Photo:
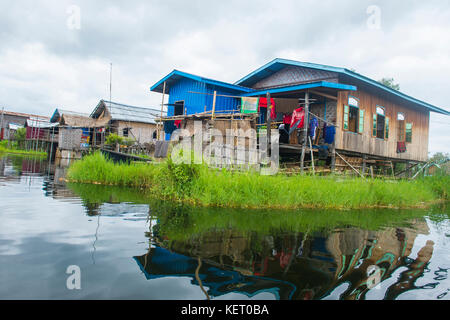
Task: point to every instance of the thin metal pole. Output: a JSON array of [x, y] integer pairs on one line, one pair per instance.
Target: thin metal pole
[[2, 131], [51, 150], [37, 135], [312, 155], [110, 85]]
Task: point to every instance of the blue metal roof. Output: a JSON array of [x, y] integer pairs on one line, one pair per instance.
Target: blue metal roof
[[176, 75], [323, 84], [278, 64]]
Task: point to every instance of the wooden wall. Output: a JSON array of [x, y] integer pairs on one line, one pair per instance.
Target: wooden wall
[[366, 144], [142, 132]]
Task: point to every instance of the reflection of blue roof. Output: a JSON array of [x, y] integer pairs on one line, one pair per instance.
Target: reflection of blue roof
[[162, 263]]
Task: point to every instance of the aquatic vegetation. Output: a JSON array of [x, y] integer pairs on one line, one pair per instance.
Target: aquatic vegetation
[[203, 186], [14, 149]]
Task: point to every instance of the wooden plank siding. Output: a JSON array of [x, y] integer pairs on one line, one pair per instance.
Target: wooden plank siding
[[365, 143]]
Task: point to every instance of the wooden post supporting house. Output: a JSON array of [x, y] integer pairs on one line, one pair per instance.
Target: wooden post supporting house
[[305, 131], [160, 127], [269, 123], [214, 105], [364, 165]]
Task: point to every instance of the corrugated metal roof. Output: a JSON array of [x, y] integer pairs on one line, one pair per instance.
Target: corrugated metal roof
[[278, 64], [24, 115], [40, 123], [177, 75], [125, 112], [319, 84]]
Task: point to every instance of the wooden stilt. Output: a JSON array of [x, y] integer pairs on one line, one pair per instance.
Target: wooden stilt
[[364, 165], [269, 123], [350, 165], [214, 105], [312, 156], [160, 126], [305, 131]]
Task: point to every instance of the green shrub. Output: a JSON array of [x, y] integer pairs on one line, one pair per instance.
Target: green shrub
[[112, 139]]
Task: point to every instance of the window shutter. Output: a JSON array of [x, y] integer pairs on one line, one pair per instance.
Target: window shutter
[[361, 121], [386, 135], [346, 112], [374, 132]]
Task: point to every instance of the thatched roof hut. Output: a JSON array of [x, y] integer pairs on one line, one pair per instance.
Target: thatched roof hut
[[76, 120]]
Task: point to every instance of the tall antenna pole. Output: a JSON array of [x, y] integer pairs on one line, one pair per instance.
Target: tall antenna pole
[[110, 87], [2, 131]]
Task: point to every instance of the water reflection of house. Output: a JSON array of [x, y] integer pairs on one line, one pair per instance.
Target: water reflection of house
[[160, 262], [312, 264], [356, 251]]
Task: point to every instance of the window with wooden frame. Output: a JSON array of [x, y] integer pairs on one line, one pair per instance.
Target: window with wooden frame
[[178, 108], [353, 116], [408, 132], [380, 127], [125, 132]]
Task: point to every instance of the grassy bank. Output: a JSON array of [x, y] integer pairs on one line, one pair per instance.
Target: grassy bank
[[199, 185], [15, 150]]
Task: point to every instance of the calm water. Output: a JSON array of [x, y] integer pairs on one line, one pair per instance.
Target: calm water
[[129, 247]]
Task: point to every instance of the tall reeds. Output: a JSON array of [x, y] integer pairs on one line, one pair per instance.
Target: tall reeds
[[200, 185]]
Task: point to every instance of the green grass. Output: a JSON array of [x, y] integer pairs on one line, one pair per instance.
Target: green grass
[[202, 186], [15, 150]]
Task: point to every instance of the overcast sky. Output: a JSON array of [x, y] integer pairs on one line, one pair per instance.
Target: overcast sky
[[52, 57]]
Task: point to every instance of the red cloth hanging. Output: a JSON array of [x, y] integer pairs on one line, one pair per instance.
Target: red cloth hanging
[[263, 104], [298, 115], [177, 123], [287, 118]]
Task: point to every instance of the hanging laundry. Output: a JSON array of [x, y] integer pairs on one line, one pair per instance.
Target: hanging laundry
[[287, 118], [313, 124], [298, 118], [330, 132], [177, 123], [401, 147], [263, 104]]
